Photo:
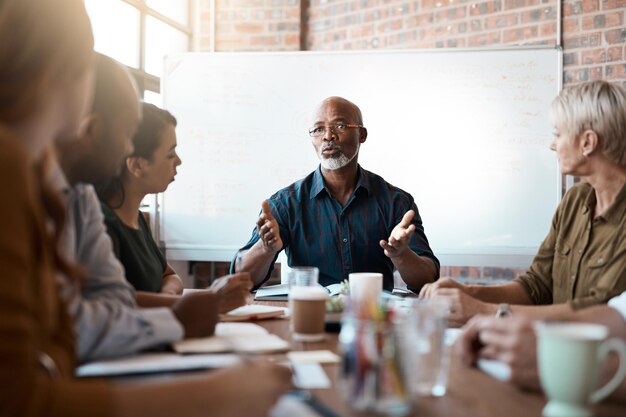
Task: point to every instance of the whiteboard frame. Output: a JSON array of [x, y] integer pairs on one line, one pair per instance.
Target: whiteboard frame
[[513, 257]]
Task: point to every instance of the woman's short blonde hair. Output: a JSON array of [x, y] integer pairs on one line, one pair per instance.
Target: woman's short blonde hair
[[596, 105]]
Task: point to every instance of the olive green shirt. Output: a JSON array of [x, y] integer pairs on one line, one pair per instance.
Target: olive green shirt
[[582, 260]]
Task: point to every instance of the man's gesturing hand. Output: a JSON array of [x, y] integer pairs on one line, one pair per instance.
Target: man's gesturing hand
[[268, 230], [398, 241]]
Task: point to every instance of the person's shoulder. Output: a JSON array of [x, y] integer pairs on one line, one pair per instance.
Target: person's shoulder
[[110, 218], [85, 193], [380, 186]]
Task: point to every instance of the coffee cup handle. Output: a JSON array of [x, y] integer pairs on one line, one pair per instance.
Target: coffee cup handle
[[619, 347]]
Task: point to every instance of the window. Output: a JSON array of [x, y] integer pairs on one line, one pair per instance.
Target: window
[[139, 34]]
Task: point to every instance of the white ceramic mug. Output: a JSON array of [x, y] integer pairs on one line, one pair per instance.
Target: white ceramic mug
[[570, 358]]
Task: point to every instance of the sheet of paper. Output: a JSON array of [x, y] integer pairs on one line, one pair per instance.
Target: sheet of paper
[[313, 356], [154, 362], [496, 369], [290, 406], [238, 337], [239, 329], [254, 312], [273, 290], [309, 376]]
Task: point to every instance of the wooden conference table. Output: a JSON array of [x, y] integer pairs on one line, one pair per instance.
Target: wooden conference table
[[471, 392]]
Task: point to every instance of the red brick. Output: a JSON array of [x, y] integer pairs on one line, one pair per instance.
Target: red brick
[[249, 27], [615, 71], [578, 75], [520, 35], [292, 40], [422, 19], [601, 55], [485, 8], [484, 39], [517, 4], [538, 14], [615, 36], [591, 5], [431, 4], [264, 40], [230, 43], [605, 20], [547, 29], [613, 4], [451, 13], [571, 25], [570, 59], [571, 41], [501, 21], [293, 13], [579, 7]]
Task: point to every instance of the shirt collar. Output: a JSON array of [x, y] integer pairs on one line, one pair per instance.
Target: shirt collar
[[363, 181], [615, 213]]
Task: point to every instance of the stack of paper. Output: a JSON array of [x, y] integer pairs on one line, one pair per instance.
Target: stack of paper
[[234, 337], [253, 312], [280, 292], [155, 362]]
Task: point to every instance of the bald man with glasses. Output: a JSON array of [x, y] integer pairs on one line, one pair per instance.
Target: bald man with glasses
[[341, 218]]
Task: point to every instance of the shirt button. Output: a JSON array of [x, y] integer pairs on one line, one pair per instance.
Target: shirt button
[[573, 276], [580, 251], [600, 260], [344, 240]]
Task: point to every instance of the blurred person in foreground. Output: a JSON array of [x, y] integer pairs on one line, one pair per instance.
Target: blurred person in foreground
[[46, 50]]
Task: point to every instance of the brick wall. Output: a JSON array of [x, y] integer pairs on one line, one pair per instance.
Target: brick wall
[[594, 40], [364, 24], [251, 25], [594, 31]]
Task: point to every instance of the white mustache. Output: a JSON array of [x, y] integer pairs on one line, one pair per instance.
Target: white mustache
[[331, 147]]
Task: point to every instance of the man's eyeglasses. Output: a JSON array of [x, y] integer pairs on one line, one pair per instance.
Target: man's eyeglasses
[[337, 129]]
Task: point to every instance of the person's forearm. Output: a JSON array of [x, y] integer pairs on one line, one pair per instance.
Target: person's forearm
[[152, 299], [189, 396], [172, 284], [257, 262], [602, 314], [544, 312], [415, 270], [511, 293]]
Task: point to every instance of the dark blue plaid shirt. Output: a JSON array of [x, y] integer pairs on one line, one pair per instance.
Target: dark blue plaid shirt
[[317, 231]]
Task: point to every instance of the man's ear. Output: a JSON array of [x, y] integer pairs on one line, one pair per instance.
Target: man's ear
[[135, 165], [589, 142], [363, 137]]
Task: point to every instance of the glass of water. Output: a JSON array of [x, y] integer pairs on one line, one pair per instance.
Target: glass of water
[[430, 356]]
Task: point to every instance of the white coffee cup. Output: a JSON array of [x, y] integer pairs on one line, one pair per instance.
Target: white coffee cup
[[570, 359], [365, 286]]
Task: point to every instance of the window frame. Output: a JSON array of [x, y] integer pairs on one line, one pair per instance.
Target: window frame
[[146, 81]]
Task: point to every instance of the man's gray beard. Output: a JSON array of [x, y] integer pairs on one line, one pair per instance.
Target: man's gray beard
[[336, 163]]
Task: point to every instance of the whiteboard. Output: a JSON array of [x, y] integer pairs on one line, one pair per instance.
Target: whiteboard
[[466, 132]]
